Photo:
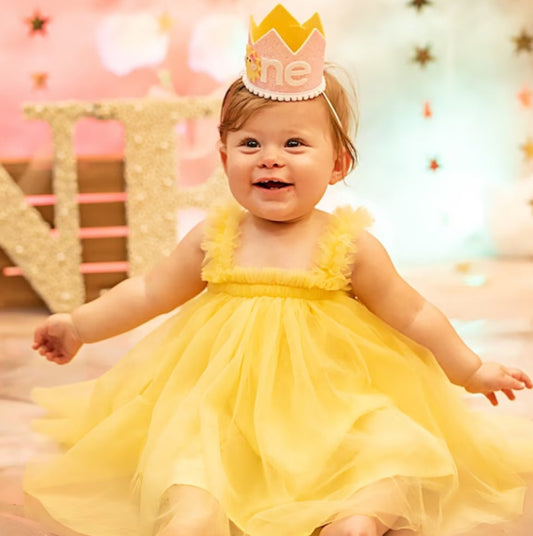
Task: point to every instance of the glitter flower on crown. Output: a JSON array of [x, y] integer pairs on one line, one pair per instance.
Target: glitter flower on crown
[[285, 59]]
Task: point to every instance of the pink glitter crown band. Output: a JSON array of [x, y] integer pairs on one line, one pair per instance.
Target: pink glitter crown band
[[285, 59]]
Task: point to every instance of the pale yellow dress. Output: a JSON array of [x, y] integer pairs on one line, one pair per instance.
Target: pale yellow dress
[[289, 402]]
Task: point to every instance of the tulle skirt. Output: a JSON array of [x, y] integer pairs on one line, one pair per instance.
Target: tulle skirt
[[287, 408]]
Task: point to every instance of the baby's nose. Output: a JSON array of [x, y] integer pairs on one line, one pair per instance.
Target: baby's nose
[[270, 158], [269, 163]]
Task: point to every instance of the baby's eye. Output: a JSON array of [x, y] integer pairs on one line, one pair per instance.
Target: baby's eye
[[293, 142], [250, 143]]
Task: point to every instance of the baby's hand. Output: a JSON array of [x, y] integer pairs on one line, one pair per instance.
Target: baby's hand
[[57, 339], [492, 377]]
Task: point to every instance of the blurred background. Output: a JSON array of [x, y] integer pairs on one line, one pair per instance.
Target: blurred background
[[445, 92]]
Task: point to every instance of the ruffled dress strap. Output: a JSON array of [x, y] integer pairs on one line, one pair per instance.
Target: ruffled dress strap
[[221, 233], [337, 247]]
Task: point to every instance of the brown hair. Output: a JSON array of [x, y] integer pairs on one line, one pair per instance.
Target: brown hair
[[239, 105]]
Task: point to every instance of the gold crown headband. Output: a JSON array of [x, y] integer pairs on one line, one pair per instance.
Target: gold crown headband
[[285, 59]]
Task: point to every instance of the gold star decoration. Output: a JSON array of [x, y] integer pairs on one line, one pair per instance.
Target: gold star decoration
[[419, 4], [434, 164], [37, 23], [423, 55], [39, 80], [527, 149], [523, 42], [525, 96], [165, 22]]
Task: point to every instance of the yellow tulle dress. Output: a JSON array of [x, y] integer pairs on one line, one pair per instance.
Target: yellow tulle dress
[[287, 401]]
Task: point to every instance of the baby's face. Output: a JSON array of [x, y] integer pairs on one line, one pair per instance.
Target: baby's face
[[281, 161]]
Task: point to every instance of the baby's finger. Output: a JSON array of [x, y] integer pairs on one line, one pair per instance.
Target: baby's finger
[[46, 349], [39, 336], [492, 398], [61, 360], [521, 376], [509, 394], [509, 381]]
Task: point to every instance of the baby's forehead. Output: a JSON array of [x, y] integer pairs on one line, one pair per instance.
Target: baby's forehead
[[304, 111], [282, 120]]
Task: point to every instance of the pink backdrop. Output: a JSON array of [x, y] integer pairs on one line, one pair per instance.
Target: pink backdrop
[[70, 54]]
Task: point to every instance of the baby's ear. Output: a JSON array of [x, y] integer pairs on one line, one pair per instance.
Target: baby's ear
[[223, 152], [340, 167]]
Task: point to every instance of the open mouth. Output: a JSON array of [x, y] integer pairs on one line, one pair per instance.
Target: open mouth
[[272, 185]]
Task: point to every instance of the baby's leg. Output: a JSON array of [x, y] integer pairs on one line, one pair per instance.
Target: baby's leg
[[191, 511], [355, 526]]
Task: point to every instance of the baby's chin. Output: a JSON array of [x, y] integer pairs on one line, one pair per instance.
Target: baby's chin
[[283, 217]]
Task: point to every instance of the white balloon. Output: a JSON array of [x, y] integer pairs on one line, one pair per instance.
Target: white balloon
[[127, 42], [217, 47]]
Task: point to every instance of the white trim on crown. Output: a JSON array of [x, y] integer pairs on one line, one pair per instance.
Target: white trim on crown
[[274, 95]]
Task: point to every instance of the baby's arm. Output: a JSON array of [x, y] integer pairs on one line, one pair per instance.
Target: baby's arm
[[172, 282], [380, 288]]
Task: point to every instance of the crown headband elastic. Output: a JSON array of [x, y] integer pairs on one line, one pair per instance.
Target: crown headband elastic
[[285, 59]]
